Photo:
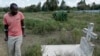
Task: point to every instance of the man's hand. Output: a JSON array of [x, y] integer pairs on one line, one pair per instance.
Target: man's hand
[[5, 39], [24, 35], [6, 32], [23, 27]]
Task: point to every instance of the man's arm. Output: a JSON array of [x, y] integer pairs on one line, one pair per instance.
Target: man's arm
[[6, 32], [23, 27]]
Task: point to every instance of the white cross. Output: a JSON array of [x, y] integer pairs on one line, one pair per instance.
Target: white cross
[[89, 32]]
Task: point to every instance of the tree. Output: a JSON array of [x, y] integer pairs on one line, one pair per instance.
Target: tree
[[95, 6], [46, 6], [39, 6], [81, 5], [50, 5], [31, 8], [63, 5], [6, 9], [54, 5], [1, 9]]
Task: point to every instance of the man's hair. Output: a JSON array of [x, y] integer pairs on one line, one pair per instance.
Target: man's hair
[[13, 5]]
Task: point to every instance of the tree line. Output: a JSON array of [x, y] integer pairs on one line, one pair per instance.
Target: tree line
[[52, 5]]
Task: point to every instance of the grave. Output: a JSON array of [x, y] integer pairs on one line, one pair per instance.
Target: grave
[[85, 48]]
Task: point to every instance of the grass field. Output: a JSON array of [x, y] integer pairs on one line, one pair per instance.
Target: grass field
[[41, 28]]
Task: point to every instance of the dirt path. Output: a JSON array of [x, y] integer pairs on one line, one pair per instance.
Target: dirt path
[[3, 48]]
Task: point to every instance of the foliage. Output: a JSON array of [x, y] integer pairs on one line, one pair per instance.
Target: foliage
[[46, 6], [95, 6], [31, 8], [41, 27], [63, 5], [82, 5], [50, 5], [6, 9], [54, 5], [1, 9], [60, 15], [39, 6]]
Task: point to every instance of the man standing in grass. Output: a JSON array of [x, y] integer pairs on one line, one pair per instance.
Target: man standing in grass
[[14, 30]]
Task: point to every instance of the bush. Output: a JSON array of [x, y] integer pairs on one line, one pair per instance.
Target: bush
[[60, 15], [34, 50]]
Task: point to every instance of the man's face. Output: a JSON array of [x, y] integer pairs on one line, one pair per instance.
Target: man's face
[[14, 10]]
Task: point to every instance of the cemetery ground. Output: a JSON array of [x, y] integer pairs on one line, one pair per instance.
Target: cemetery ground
[[42, 29]]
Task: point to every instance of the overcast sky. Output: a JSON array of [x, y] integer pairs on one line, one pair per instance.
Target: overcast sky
[[23, 3]]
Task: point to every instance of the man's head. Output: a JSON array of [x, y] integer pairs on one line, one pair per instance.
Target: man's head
[[13, 9]]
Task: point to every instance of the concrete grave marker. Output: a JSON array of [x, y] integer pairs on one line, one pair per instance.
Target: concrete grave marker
[[89, 32], [86, 46]]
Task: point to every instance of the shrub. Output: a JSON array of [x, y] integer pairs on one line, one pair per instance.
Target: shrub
[[60, 15]]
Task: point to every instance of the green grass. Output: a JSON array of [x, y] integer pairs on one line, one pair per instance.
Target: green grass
[[41, 26]]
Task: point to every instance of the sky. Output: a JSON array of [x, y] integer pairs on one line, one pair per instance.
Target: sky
[[23, 3]]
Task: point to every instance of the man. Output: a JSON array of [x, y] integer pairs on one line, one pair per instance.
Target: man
[[14, 30]]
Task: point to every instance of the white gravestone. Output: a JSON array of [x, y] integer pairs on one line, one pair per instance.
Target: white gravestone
[[85, 48]]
